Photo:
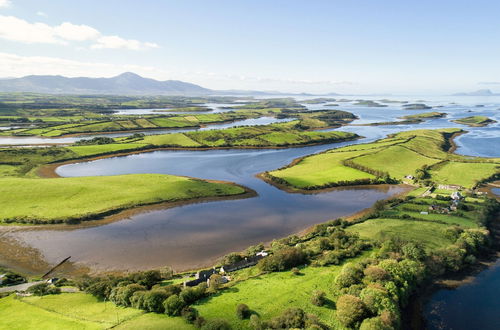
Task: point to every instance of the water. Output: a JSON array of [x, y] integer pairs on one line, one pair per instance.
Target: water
[[471, 306], [194, 235]]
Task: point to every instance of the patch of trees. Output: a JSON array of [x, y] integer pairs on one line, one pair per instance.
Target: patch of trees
[[97, 140], [43, 289], [10, 278]]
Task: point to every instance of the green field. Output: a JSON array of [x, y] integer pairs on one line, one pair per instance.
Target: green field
[[78, 311], [64, 199], [464, 174], [270, 294], [428, 233], [398, 156], [474, 121]]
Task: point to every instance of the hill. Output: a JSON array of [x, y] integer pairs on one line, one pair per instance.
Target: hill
[[127, 83]]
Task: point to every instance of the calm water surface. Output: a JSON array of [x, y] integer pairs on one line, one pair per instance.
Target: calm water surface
[[474, 305]]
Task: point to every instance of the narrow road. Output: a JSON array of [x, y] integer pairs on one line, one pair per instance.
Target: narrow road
[[19, 287]]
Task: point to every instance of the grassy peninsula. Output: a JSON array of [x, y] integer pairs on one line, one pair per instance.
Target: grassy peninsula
[[38, 201], [421, 154]]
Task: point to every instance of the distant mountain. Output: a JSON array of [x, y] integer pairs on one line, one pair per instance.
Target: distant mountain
[[127, 83], [480, 92]]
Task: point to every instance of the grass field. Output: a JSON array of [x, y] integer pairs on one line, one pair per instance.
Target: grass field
[[328, 167], [74, 198], [474, 121], [398, 156], [270, 294], [464, 174], [428, 233], [78, 311]]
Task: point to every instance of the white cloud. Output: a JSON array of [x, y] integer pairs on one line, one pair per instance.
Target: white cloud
[[74, 32], [5, 3], [41, 13], [16, 29], [115, 42]]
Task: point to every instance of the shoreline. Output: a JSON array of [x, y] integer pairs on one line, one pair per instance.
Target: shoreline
[[49, 170]]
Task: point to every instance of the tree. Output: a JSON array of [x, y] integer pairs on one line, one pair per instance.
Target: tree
[[153, 301], [374, 323], [413, 251], [350, 310], [173, 305], [243, 311], [43, 289], [189, 314], [318, 298], [166, 272], [291, 318], [216, 324], [283, 259], [351, 274]]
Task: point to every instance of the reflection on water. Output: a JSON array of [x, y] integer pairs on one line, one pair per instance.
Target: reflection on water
[[470, 306]]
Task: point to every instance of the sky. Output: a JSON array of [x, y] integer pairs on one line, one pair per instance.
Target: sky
[[316, 46]]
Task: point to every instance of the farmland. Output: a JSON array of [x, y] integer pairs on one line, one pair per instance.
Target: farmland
[[29, 200], [385, 160]]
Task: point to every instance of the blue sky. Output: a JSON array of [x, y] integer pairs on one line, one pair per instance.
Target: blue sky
[[311, 45]]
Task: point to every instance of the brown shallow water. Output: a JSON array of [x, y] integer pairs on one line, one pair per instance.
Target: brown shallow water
[[185, 237]]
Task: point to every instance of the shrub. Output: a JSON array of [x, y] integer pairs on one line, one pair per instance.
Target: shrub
[[291, 318], [137, 299], [43, 289], [374, 323], [350, 274], [173, 305], [153, 301], [192, 294], [189, 314], [350, 310], [121, 295], [283, 259], [216, 324], [318, 298], [231, 258], [242, 311], [376, 274]]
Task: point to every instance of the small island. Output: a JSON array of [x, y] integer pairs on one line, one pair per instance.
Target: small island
[[369, 103], [475, 121], [416, 106]]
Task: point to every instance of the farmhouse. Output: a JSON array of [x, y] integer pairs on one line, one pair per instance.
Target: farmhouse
[[456, 196], [201, 277]]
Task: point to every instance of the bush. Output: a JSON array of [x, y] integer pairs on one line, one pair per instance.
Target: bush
[[283, 259], [374, 323], [121, 295], [231, 258], [376, 274], [153, 301], [350, 274], [173, 305], [350, 310], [291, 318], [242, 311], [192, 294], [189, 314], [318, 298], [216, 324], [43, 289]]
